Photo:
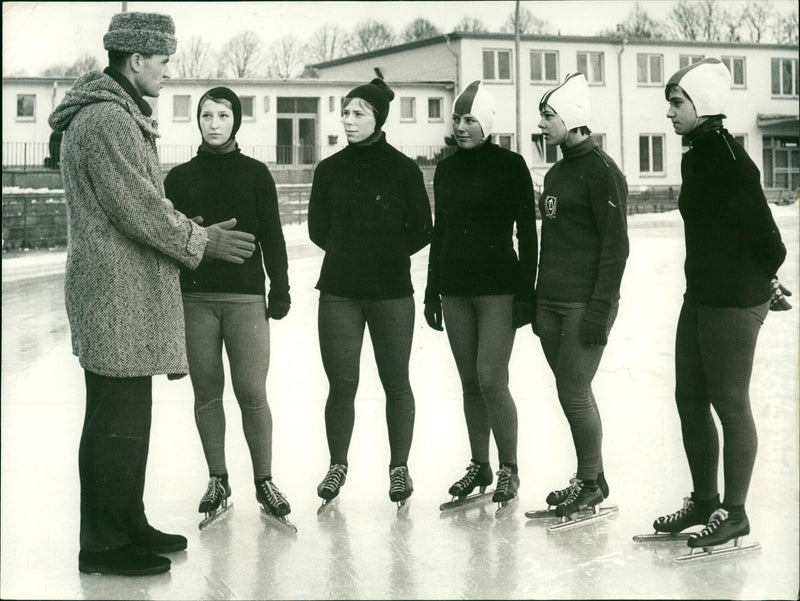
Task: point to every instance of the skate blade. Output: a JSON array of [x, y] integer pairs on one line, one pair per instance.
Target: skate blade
[[215, 516], [661, 537], [579, 519], [403, 507], [325, 504], [282, 522], [506, 508], [466, 502], [535, 514], [701, 553]]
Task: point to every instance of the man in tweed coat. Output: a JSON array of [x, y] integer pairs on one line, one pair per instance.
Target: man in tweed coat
[[121, 286]]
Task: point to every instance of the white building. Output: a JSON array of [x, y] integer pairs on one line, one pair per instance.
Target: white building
[[293, 124]]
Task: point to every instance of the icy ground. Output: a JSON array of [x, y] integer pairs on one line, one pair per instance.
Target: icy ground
[[360, 550]]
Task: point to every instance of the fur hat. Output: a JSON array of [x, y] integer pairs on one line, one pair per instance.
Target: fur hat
[[378, 94], [223, 93], [475, 100], [706, 83], [147, 33], [570, 100]]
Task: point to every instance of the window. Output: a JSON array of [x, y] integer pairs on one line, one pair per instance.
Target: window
[[784, 77], [741, 138], [689, 59], [26, 107], [504, 140], [544, 66], [407, 109], [248, 108], [591, 65], [434, 109], [781, 166], [180, 107], [497, 65], [600, 139], [649, 69], [651, 154], [543, 153], [735, 65]]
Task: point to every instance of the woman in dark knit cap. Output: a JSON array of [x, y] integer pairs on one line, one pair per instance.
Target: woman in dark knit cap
[[479, 285], [733, 251], [225, 303], [369, 211], [583, 254]]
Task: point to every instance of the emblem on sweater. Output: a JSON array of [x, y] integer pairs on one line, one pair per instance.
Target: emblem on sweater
[[550, 205]]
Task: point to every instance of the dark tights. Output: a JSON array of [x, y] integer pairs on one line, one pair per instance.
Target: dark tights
[[341, 334]]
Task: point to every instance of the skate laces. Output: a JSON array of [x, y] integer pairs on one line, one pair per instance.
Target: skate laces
[[574, 491], [688, 505], [335, 476], [719, 516], [472, 473], [274, 496], [215, 489], [503, 480], [397, 479]]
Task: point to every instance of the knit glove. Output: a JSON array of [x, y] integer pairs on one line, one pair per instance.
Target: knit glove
[[523, 312], [433, 314], [594, 326], [777, 300], [278, 309]]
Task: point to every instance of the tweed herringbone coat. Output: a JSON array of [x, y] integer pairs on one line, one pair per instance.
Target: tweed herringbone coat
[[125, 240]]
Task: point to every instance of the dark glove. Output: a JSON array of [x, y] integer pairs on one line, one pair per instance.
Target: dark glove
[[593, 334], [777, 302], [278, 309], [523, 312], [433, 314], [175, 376]]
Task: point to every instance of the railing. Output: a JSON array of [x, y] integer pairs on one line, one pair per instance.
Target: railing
[[34, 220]]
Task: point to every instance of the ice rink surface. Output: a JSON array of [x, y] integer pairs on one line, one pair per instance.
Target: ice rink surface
[[359, 549]]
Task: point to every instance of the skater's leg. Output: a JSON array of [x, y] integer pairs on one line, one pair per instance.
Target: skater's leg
[[461, 324], [495, 342], [728, 340], [204, 352], [391, 328], [245, 330], [112, 460], [341, 323], [700, 439]]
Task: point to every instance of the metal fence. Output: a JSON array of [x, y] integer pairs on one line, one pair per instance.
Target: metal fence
[[34, 220]]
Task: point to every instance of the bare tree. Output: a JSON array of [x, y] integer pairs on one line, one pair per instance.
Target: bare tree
[[84, 64], [527, 23], [471, 25], [194, 58], [326, 43], [56, 70], [371, 35], [685, 20], [637, 25], [240, 55], [785, 28], [285, 57], [419, 29]]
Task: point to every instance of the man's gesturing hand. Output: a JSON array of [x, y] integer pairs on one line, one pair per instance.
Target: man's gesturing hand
[[227, 244]]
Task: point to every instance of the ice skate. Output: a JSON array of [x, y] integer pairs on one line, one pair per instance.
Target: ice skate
[[581, 506], [722, 527], [505, 495], [478, 476], [274, 505], [331, 484], [400, 488], [670, 527], [214, 503], [556, 497]]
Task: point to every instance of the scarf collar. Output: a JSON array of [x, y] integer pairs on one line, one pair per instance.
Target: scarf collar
[[227, 148], [710, 125], [126, 85], [584, 147]]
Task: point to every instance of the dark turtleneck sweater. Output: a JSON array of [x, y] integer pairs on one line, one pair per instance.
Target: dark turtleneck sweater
[[126, 85], [733, 247], [219, 187], [584, 230], [480, 194], [369, 211]]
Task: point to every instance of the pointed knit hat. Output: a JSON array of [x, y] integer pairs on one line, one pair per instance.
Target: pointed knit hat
[[570, 100], [707, 84], [475, 100], [147, 33]]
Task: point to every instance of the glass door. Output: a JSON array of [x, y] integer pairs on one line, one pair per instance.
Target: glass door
[[296, 135]]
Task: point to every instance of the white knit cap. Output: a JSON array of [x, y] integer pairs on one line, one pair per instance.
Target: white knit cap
[[570, 100], [707, 83], [475, 100]]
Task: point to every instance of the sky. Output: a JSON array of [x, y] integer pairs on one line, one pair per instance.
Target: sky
[[37, 35]]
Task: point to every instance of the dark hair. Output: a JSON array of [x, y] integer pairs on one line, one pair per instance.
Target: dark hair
[[582, 129], [673, 86], [117, 58]]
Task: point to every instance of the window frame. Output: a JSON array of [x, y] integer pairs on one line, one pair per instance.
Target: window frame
[[26, 118], [496, 140], [181, 118], [731, 60], [541, 156], [413, 101], [440, 118], [542, 60], [650, 83], [252, 115], [588, 54], [496, 65], [651, 172], [794, 77], [684, 60]]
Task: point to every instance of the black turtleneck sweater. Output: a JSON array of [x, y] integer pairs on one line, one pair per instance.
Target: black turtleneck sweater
[[480, 194], [584, 230], [733, 247], [369, 212], [219, 187]]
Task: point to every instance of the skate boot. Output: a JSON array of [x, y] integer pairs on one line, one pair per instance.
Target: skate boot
[[331, 484], [479, 475], [693, 513], [724, 525], [215, 500], [274, 505], [400, 486], [557, 497], [580, 498]]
